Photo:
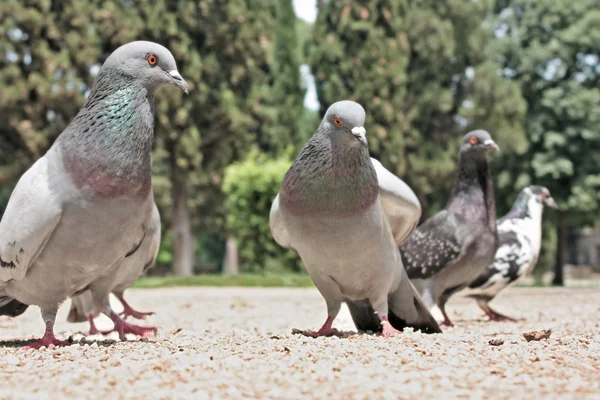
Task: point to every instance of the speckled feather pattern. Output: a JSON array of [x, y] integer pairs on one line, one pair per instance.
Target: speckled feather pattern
[[520, 233]]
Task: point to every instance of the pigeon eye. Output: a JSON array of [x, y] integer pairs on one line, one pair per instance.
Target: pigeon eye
[[152, 59], [473, 140], [338, 122], [543, 195]]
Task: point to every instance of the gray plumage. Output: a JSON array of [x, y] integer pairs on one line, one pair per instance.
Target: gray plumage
[[87, 203], [345, 215], [520, 240], [451, 248], [132, 267]]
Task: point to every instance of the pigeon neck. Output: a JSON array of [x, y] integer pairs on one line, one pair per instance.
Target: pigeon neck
[[107, 147], [526, 206], [332, 176], [473, 192]]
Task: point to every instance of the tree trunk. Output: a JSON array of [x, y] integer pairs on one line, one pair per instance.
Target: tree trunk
[[183, 240], [231, 265], [561, 234]]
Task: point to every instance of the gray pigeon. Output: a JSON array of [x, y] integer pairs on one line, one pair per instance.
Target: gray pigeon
[[132, 267], [345, 214], [520, 240], [87, 203], [449, 250]]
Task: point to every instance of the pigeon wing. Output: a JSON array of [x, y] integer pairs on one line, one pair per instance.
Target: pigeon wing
[[399, 203], [433, 247], [278, 227], [30, 218]]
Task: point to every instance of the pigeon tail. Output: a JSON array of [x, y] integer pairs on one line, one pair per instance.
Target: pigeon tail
[[418, 318], [11, 307], [81, 308]]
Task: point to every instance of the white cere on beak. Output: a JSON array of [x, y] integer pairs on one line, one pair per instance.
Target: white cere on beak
[[360, 133], [491, 144]]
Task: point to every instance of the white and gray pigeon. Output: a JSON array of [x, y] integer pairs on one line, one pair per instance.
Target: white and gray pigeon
[[449, 250], [344, 214], [87, 203], [520, 240], [132, 267]]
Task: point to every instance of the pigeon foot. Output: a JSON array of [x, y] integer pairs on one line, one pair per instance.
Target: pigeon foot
[[326, 330], [123, 328], [129, 311], [48, 341], [387, 328], [497, 317]]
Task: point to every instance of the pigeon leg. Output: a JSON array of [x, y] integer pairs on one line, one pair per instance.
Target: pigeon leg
[[102, 302], [48, 340], [333, 308], [493, 315], [446, 321], [129, 311], [381, 309], [93, 329]]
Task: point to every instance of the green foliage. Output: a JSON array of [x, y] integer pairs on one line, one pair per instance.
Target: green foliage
[[547, 48], [250, 187], [421, 72], [244, 280], [46, 51], [284, 117]]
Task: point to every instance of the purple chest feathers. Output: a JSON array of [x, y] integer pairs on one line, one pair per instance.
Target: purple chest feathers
[[106, 182]]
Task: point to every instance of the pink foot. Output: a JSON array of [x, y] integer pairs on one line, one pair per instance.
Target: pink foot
[[497, 317], [326, 330], [129, 311], [123, 328], [388, 329], [446, 322], [48, 341]]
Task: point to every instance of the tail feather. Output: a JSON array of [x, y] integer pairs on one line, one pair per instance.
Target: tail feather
[[403, 312], [12, 307], [81, 307]]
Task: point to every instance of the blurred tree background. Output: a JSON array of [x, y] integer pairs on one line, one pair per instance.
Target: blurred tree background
[[425, 71]]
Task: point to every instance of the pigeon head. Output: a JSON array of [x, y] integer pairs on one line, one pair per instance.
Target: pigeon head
[[541, 195], [478, 142], [346, 119], [150, 63]]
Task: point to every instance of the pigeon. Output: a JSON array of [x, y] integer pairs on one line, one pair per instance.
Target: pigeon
[[450, 249], [520, 240], [86, 205], [132, 267], [344, 214]]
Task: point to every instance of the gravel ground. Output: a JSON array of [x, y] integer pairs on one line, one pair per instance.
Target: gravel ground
[[237, 343]]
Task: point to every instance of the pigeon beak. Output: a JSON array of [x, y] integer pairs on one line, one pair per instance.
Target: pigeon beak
[[549, 201], [360, 133], [491, 145], [179, 81]]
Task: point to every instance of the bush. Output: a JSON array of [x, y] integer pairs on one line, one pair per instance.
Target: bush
[[250, 188]]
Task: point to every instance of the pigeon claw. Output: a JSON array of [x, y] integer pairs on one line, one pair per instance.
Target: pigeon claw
[[497, 317], [48, 341], [387, 328], [130, 312], [325, 332]]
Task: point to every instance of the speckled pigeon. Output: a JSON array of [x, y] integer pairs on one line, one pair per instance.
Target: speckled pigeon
[[345, 214], [520, 240], [132, 267], [87, 203], [454, 246]]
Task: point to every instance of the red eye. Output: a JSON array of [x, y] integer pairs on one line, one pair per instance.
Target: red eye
[[473, 140], [338, 122], [543, 195], [152, 59]]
